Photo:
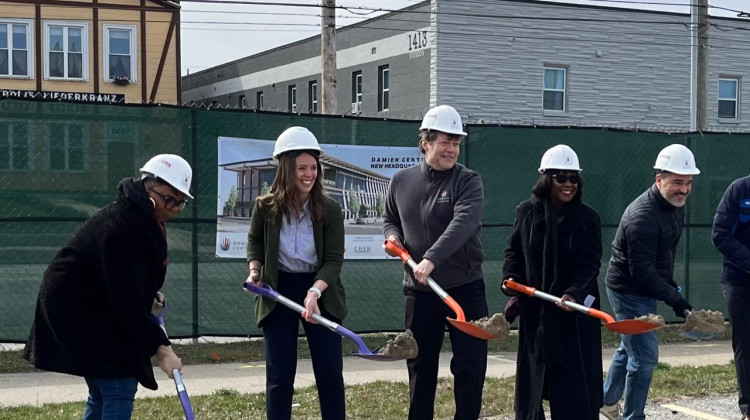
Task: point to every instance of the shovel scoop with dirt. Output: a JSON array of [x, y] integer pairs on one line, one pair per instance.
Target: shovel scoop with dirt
[[702, 324]]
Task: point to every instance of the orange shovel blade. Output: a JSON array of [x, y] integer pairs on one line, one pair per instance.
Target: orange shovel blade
[[471, 329], [631, 326]]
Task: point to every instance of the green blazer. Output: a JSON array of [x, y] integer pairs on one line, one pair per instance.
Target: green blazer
[[263, 245]]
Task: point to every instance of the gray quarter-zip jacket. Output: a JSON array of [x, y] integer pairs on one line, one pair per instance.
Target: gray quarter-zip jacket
[[438, 216]]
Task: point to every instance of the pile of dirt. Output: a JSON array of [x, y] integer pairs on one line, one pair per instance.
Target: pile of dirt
[[652, 318], [704, 321], [404, 346], [497, 326]]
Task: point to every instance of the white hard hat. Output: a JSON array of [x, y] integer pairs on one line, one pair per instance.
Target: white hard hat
[[443, 118], [295, 138], [171, 169], [677, 159], [560, 157]]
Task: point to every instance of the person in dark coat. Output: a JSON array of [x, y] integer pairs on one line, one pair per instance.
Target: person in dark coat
[[641, 273], [556, 248], [731, 236], [94, 310]]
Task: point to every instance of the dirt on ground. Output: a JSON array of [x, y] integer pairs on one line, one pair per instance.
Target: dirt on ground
[[704, 321], [652, 318], [496, 325], [404, 346]]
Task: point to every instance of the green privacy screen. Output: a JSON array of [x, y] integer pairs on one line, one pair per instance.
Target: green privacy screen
[[60, 162]]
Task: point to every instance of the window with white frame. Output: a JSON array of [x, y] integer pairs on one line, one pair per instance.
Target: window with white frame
[[67, 147], [119, 53], [357, 88], [15, 146], [729, 98], [554, 89], [66, 49], [292, 102], [384, 84], [16, 53], [259, 100], [313, 97], [243, 102]]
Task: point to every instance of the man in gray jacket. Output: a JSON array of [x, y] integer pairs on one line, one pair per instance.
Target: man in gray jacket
[[434, 210], [641, 272]]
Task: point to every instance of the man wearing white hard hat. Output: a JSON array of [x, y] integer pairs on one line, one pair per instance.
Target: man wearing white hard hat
[[94, 310], [434, 210], [641, 273]]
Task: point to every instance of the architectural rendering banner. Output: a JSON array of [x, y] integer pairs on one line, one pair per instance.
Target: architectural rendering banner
[[357, 177]]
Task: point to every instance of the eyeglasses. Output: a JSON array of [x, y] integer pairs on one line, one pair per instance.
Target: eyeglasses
[[169, 201], [563, 178]]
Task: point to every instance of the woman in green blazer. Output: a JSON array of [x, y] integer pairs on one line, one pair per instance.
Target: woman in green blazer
[[296, 245]]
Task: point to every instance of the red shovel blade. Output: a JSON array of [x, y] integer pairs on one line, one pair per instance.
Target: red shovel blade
[[471, 329], [631, 326]]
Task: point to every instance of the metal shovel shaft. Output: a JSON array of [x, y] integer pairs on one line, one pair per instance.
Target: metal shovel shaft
[[628, 326], [362, 349], [531, 291], [460, 316]]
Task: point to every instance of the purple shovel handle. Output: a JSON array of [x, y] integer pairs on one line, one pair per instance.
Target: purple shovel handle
[[182, 393], [268, 292]]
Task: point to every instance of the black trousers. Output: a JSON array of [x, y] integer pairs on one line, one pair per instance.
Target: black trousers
[[280, 331], [425, 316], [738, 302]]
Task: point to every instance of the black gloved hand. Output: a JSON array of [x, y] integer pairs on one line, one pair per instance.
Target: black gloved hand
[[680, 306]]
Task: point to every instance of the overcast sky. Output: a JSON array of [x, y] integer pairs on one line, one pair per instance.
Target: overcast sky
[[214, 33]]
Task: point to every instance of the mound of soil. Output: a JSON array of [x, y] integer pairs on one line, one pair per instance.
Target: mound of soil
[[704, 321], [497, 326], [404, 346], [652, 318]]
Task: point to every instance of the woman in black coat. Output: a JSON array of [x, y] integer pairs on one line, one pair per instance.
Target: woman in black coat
[[556, 247], [93, 315]]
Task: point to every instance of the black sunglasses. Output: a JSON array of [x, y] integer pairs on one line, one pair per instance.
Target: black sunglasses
[[563, 178], [169, 201]]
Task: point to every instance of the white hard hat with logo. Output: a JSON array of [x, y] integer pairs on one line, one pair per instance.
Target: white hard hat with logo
[[677, 159], [295, 138], [171, 169], [560, 157], [443, 118]]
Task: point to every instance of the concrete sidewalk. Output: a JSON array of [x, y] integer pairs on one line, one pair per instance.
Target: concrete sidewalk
[[45, 387]]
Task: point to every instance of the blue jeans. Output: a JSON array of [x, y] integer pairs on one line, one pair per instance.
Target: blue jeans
[[634, 361], [110, 399]]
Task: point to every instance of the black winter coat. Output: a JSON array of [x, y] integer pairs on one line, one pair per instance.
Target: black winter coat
[[559, 352], [643, 251], [93, 315]]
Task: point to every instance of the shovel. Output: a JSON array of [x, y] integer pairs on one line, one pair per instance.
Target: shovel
[[628, 326], [362, 350], [187, 408], [460, 321], [697, 335]]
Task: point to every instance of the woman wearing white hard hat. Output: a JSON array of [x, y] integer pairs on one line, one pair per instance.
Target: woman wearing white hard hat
[[93, 315], [556, 247], [296, 245]]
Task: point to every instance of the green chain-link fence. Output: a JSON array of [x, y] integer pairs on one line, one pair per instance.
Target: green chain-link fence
[[60, 162]]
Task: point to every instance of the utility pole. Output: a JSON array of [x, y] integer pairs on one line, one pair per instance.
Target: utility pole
[[328, 56], [702, 83]]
